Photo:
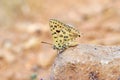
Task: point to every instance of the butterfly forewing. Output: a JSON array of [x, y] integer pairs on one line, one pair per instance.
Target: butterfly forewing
[[62, 34]]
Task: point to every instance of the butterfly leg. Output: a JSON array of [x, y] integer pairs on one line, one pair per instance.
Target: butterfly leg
[[60, 51], [64, 47]]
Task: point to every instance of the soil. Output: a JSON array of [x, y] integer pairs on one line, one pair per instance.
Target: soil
[[25, 24]]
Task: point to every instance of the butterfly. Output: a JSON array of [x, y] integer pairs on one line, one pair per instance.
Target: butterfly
[[63, 35]]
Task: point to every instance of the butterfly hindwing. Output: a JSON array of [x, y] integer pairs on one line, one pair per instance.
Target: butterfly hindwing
[[63, 35]]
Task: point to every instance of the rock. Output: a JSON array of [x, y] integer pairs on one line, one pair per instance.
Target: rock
[[87, 62]]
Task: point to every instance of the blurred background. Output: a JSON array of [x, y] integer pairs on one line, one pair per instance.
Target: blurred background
[[25, 23]]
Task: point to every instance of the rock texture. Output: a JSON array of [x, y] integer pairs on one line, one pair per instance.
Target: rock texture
[[87, 62]]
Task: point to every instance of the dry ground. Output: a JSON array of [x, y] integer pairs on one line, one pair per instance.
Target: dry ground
[[24, 24]]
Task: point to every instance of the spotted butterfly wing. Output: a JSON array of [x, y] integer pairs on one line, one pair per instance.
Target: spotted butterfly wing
[[63, 35]]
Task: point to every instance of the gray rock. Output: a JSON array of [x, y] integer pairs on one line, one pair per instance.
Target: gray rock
[[87, 62]]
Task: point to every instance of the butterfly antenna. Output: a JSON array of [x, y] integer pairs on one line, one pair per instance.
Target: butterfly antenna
[[46, 43]]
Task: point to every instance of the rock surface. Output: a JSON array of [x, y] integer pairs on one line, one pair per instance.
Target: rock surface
[[87, 62]]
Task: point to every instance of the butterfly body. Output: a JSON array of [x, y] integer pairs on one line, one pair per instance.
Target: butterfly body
[[63, 35]]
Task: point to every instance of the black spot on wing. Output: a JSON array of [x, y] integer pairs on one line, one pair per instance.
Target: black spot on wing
[[51, 25], [65, 36], [60, 40], [55, 36], [69, 30], [63, 32], [61, 35], [60, 46], [53, 33], [65, 39], [58, 31], [55, 26]]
